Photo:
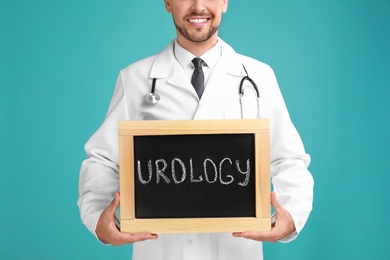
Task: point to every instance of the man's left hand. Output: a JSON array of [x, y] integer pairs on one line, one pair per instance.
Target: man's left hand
[[281, 228]]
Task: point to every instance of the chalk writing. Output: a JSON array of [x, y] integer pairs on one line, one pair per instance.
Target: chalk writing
[[225, 172]]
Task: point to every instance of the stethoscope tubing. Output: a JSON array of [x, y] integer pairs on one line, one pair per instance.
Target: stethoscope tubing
[[242, 90]]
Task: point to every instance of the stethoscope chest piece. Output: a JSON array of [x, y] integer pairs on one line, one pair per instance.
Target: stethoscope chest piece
[[152, 98]]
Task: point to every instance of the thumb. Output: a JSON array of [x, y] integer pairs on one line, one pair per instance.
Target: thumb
[[275, 203], [114, 204]]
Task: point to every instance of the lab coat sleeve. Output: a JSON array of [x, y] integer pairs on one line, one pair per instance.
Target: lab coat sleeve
[[291, 180], [99, 178]]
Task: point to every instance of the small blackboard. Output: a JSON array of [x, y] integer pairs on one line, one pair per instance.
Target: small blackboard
[[194, 176]]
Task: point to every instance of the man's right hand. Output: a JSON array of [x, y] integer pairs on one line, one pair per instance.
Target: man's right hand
[[108, 232]]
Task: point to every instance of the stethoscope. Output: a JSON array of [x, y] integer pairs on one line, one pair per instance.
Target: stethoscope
[[242, 90], [154, 98]]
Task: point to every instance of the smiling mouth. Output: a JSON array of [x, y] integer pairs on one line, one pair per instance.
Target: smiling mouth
[[198, 20]]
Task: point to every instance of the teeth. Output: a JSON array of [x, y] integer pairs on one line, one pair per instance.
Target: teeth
[[198, 20]]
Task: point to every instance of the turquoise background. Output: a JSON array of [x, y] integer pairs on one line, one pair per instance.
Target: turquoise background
[[59, 62]]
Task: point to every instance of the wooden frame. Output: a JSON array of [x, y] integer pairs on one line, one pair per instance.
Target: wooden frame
[[129, 129]]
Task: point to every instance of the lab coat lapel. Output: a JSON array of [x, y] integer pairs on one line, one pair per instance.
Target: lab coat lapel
[[228, 68], [166, 66]]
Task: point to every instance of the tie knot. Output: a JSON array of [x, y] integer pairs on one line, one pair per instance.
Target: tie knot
[[197, 62]]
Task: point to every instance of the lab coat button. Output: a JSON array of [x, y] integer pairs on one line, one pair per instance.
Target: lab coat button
[[189, 241]]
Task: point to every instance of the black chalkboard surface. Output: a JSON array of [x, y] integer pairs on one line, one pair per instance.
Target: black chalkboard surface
[[194, 176], [183, 176]]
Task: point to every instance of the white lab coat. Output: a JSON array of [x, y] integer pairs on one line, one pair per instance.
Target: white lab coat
[[291, 180]]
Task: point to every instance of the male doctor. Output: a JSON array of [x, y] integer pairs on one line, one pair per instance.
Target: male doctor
[[222, 69]]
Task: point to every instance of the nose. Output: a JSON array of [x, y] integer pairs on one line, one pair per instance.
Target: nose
[[198, 6]]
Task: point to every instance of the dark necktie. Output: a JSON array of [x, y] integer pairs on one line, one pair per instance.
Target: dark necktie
[[197, 79]]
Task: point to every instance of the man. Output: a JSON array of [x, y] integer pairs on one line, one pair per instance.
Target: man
[[197, 23]]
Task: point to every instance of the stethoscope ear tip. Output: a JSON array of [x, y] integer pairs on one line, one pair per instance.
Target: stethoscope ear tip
[[152, 98]]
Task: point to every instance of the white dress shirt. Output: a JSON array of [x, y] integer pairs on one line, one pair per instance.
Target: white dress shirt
[[210, 58]]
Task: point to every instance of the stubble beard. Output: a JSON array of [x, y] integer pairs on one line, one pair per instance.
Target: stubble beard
[[194, 38]]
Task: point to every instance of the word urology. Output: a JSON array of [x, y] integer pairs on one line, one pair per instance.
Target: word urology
[[177, 171]]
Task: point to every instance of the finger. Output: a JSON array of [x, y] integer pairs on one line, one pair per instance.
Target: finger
[[144, 236], [124, 238], [266, 236]]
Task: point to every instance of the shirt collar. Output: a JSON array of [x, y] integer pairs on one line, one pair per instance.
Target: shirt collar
[[185, 57], [230, 60]]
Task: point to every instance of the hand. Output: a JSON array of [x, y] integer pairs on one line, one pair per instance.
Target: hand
[[283, 226], [109, 233]]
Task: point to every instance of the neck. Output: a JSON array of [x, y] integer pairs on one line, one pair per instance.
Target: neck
[[198, 49]]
